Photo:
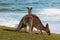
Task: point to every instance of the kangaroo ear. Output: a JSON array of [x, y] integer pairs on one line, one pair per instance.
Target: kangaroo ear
[[47, 26], [27, 7], [31, 8]]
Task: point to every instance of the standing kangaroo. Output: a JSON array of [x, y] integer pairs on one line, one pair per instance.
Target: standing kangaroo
[[33, 21]]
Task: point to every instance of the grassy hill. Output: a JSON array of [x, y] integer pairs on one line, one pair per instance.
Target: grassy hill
[[7, 33]]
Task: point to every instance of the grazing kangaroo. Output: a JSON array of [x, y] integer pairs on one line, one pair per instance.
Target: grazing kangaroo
[[33, 21]]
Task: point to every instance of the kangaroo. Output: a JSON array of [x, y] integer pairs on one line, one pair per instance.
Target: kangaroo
[[33, 21]]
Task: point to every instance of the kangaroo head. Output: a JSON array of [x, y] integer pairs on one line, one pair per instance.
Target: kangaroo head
[[29, 10], [47, 29]]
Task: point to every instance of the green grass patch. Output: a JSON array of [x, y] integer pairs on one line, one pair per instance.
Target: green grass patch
[[7, 33]]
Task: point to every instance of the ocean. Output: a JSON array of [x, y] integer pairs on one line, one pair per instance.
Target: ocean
[[12, 11]]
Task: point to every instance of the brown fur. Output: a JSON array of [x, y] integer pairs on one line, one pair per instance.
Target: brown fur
[[33, 21]]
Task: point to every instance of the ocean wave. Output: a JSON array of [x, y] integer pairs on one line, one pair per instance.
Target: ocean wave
[[12, 10], [50, 12], [13, 18], [10, 19], [6, 4]]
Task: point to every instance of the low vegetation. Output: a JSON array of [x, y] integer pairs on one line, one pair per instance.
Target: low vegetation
[[7, 33]]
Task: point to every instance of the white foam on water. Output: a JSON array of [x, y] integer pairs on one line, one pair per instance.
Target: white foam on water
[[10, 19], [51, 11]]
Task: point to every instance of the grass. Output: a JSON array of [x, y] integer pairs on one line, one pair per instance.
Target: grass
[[7, 33]]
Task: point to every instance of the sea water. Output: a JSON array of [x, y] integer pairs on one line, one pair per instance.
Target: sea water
[[12, 11]]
